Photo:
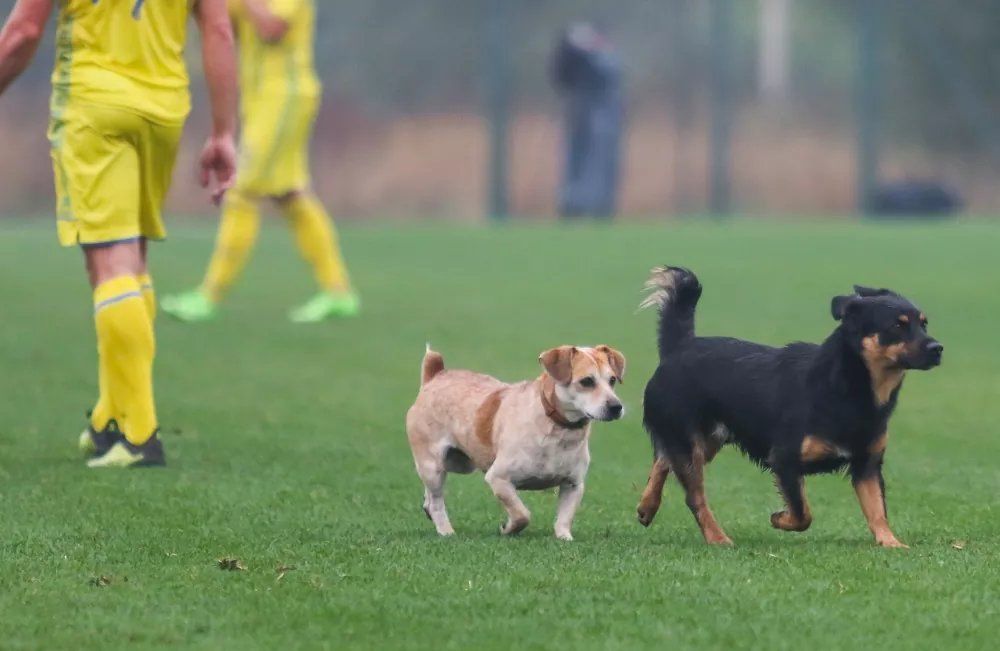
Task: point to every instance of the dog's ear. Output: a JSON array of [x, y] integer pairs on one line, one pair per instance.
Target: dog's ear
[[841, 305], [868, 292], [616, 359], [558, 362]]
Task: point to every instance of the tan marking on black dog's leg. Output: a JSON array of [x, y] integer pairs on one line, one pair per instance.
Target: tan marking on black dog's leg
[[518, 516], [690, 473], [653, 494], [879, 445], [815, 449], [871, 496], [796, 516], [711, 446]]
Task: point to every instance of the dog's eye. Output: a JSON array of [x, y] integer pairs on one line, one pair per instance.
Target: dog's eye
[[924, 324], [588, 382], [613, 381]]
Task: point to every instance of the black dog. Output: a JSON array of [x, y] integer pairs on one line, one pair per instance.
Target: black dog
[[798, 410]]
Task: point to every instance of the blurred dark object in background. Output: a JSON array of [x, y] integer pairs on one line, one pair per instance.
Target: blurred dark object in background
[[915, 198], [586, 71]]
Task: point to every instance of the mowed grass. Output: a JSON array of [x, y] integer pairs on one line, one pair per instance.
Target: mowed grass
[[287, 449]]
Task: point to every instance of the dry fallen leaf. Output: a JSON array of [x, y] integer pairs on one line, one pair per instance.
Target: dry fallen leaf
[[100, 581], [231, 565], [958, 544], [282, 570]]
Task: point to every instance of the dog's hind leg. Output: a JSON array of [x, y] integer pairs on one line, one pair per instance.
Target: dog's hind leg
[[689, 468], [518, 516], [432, 472], [649, 504], [796, 516]]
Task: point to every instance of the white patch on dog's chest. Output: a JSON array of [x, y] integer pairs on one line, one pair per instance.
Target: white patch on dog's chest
[[549, 461]]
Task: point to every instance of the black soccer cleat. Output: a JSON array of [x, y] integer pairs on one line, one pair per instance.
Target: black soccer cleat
[[95, 443], [123, 454]]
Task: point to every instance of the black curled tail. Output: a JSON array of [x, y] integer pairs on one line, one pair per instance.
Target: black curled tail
[[674, 291]]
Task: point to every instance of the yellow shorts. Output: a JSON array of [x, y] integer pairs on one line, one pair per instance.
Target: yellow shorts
[[112, 169], [274, 147]]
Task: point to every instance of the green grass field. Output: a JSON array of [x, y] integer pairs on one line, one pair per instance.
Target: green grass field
[[287, 449]]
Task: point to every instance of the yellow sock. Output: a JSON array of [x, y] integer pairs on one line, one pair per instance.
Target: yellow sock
[[127, 347], [318, 242], [148, 295], [237, 234], [104, 411]]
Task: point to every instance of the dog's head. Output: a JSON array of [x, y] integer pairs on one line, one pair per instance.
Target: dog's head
[[585, 380], [887, 329]]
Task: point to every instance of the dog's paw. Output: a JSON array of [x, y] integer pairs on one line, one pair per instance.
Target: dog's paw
[[514, 526], [645, 515], [890, 542], [564, 535], [718, 539], [787, 522]]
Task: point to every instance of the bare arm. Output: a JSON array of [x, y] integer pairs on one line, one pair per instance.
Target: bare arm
[[219, 60], [270, 27], [20, 36], [218, 158]]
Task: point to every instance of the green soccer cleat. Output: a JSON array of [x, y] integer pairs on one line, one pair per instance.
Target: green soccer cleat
[[93, 443], [190, 307], [327, 305], [126, 455]]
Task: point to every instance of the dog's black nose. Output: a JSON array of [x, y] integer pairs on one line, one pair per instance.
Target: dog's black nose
[[935, 347], [615, 410]]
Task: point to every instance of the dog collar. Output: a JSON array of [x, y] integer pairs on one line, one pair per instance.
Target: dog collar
[[556, 417]]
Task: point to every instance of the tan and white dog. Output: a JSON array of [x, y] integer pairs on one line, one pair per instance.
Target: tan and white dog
[[531, 435]]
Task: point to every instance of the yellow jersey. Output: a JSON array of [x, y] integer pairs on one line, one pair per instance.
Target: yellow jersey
[[277, 69], [125, 54]]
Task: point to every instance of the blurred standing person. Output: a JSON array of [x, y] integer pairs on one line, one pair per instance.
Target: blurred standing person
[[586, 71], [280, 99], [120, 97]]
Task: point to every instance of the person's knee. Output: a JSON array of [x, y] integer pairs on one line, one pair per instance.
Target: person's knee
[[105, 262]]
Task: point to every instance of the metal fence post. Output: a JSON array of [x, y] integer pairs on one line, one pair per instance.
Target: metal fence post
[[720, 199], [498, 100], [867, 103]]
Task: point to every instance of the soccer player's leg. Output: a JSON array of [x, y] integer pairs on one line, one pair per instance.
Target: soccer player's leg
[[315, 233], [238, 232], [79, 152], [127, 345], [100, 156], [319, 245], [102, 431]]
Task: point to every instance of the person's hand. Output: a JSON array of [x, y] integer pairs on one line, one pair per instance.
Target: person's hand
[[217, 166]]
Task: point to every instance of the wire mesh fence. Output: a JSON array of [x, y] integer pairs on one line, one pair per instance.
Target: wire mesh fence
[[448, 109]]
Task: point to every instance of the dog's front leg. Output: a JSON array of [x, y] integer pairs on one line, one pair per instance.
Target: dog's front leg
[[518, 515], [570, 494], [796, 516], [866, 475]]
